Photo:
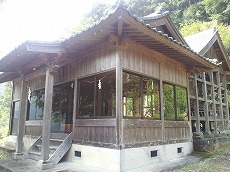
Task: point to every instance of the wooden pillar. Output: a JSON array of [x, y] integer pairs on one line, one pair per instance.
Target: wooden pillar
[[47, 114], [119, 101], [162, 104], [119, 107], [22, 117], [197, 105], [220, 101], [206, 110], [75, 101], [213, 101]]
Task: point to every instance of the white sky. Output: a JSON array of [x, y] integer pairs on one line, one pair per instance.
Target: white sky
[[42, 20]]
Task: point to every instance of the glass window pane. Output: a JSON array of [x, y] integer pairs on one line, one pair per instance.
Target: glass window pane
[[62, 107], [131, 95], [86, 97], [151, 106], [36, 104], [169, 108], [106, 94], [181, 103]]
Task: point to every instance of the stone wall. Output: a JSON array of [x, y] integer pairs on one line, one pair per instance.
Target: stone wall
[[205, 142]]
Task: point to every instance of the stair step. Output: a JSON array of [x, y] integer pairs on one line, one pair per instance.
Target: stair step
[[51, 147], [58, 148], [35, 155]]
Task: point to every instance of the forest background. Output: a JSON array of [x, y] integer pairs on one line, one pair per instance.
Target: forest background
[[189, 16]]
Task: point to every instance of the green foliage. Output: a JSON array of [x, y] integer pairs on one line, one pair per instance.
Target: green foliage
[[5, 105]]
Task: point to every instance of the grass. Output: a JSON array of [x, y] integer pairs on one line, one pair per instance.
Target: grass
[[4, 155], [216, 161]]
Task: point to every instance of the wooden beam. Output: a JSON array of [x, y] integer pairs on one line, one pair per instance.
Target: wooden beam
[[36, 74], [119, 26], [22, 117], [45, 47], [47, 115]]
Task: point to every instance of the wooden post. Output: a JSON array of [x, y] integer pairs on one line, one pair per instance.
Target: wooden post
[[119, 105], [197, 105], [119, 101], [22, 118], [206, 110], [213, 101], [47, 114], [162, 104], [220, 101], [75, 101]]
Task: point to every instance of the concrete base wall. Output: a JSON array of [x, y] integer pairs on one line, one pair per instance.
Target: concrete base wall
[[127, 159], [104, 158]]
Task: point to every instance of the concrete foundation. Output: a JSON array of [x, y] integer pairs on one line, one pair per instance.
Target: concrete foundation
[[127, 159]]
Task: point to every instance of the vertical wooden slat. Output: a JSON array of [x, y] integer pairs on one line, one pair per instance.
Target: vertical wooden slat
[[220, 101], [162, 102], [189, 107], [206, 110], [22, 117], [213, 100], [197, 105], [226, 98]]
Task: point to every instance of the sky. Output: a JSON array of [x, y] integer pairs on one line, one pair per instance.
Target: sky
[[41, 20]]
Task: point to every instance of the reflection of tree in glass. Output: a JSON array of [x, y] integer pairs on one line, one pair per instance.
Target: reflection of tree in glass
[[151, 99], [131, 94], [169, 108], [181, 102]]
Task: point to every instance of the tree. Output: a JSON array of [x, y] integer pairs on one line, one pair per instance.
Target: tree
[[5, 105], [218, 10]]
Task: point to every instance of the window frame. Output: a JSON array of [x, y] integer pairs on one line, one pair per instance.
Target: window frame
[[97, 105], [142, 77], [175, 101]]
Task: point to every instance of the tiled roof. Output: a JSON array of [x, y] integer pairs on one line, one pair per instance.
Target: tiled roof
[[200, 40]]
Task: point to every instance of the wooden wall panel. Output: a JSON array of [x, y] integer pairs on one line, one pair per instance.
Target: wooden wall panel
[[39, 82], [95, 134], [33, 130], [95, 131], [177, 130], [96, 62], [68, 75], [142, 60], [144, 132], [140, 131]]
